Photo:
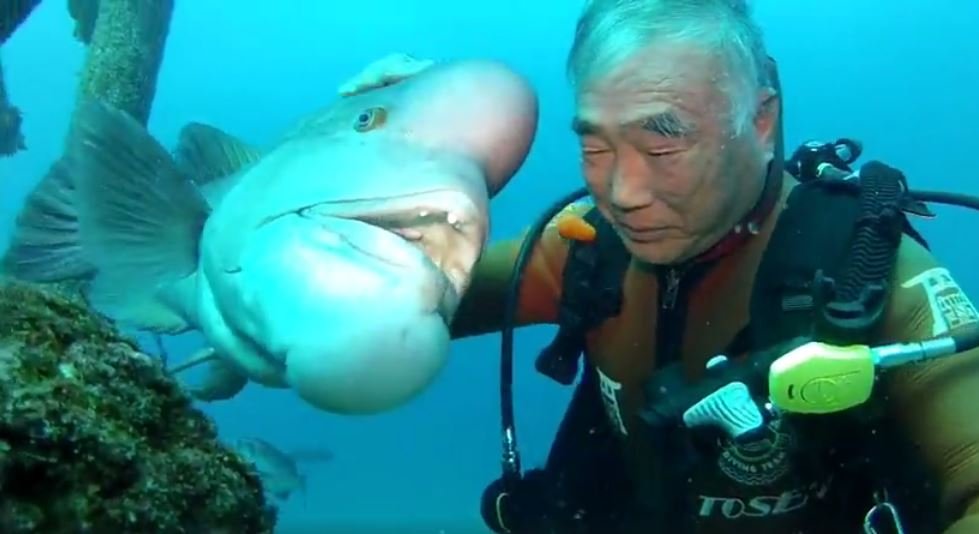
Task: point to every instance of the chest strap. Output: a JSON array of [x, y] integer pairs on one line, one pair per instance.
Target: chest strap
[[592, 292]]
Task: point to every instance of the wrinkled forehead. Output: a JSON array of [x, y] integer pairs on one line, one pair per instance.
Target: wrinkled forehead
[[670, 89]]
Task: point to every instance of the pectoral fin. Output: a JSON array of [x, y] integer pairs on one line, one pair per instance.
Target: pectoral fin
[[221, 381]]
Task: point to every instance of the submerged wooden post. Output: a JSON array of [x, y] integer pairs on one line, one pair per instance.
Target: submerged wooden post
[[121, 66], [125, 53]]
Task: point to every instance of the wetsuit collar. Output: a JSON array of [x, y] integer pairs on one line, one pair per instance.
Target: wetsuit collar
[[752, 222]]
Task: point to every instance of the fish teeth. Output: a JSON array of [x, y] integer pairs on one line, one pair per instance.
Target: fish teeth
[[410, 234], [453, 219]]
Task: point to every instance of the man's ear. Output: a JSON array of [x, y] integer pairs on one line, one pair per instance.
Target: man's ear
[[766, 119]]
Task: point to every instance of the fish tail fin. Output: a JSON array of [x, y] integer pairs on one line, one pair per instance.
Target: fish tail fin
[[46, 245], [140, 218]]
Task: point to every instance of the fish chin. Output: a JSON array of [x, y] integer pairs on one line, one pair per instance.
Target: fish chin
[[354, 315], [384, 363]]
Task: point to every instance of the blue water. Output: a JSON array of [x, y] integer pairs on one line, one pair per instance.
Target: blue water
[[901, 75]]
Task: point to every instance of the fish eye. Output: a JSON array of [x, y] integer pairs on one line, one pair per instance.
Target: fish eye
[[370, 118]]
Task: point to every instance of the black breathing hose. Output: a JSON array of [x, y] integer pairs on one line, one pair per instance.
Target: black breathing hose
[[941, 197], [511, 457], [968, 340], [937, 197]]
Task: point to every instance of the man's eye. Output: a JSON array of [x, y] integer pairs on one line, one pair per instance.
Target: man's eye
[[592, 156]]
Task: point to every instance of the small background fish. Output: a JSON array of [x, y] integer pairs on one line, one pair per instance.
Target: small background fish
[[278, 469]]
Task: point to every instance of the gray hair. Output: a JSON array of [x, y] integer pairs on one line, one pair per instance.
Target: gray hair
[[611, 31]]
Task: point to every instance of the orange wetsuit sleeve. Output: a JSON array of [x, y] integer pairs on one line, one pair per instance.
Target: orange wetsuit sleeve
[[935, 402], [481, 309]]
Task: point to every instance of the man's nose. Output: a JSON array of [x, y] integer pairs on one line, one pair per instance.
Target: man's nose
[[630, 187]]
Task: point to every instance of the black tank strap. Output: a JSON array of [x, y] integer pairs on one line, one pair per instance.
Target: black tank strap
[[852, 305], [826, 271], [591, 293], [826, 275]]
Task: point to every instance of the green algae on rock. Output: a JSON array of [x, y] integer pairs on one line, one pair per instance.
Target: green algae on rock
[[96, 437]]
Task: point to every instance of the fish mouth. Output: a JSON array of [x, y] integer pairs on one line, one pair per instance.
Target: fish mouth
[[447, 226]]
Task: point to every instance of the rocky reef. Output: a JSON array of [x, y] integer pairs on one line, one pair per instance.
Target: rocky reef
[[96, 437]]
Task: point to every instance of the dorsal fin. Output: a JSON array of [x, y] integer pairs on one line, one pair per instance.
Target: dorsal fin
[[205, 153]]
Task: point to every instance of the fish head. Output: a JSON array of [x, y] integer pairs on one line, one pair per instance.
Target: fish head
[[477, 109], [345, 251]]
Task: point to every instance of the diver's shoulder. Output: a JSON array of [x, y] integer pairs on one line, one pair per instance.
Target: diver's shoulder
[[578, 208]]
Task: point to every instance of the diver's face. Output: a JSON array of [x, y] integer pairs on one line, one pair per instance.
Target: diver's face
[[659, 156]]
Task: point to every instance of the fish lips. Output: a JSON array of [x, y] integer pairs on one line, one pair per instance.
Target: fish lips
[[366, 245], [448, 227]]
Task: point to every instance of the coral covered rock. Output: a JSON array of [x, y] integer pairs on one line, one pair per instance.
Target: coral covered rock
[[96, 437]]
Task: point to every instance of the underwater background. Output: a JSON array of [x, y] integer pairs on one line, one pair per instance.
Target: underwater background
[[901, 76]]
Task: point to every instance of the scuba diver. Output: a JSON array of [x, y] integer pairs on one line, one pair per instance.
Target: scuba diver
[[768, 344]]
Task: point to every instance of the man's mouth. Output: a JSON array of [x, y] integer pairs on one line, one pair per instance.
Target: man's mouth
[[645, 234]]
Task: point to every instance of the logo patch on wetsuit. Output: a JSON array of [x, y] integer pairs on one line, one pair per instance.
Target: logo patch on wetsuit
[[760, 462], [764, 506], [610, 398], [950, 307]]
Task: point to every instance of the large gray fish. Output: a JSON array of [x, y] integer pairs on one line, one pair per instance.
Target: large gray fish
[[330, 263], [278, 470]]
